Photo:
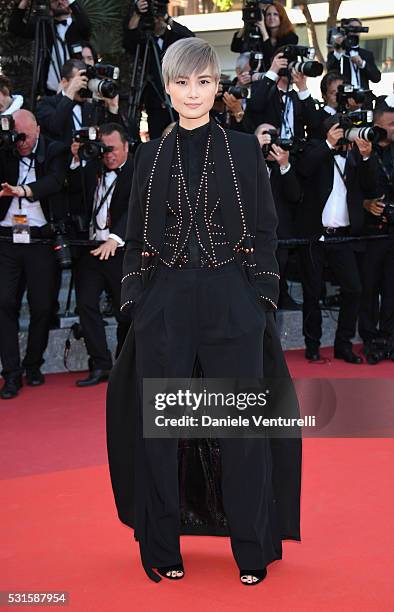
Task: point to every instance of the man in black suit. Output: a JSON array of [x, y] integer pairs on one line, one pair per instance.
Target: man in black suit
[[31, 182], [286, 190], [273, 99], [108, 188], [357, 66], [377, 318], [71, 25], [335, 182], [165, 32], [59, 115]]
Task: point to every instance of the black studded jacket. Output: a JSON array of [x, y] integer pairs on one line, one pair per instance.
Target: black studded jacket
[[247, 210]]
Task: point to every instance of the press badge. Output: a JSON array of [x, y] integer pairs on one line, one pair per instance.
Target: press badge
[[20, 229]]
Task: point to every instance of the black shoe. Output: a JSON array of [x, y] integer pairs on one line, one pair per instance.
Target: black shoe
[[257, 576], [95, 377], [312, 354], [163, 571], [11, 387], [34, 377], [287, 303], [347, 355]]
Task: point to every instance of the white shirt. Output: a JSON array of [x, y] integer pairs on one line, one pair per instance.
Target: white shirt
[[54, 70], [354, 70], [32, 210], [335, 212], [16, 104], [329, 110], [104, 185]]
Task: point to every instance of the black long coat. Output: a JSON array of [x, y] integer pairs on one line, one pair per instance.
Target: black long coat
[[199, 459]]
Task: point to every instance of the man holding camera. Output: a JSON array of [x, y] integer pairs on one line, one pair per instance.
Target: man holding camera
[[286, 190], [71, 109], [150, 17], [70, 25], [356, 65], [378, 266], [274, 100], [32, 172], [107, 178], [336, 179]]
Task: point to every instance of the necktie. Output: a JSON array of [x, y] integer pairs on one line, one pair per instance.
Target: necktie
[[63, 22]]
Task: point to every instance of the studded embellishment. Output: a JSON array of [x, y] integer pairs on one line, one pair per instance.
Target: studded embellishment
[[125, 304], [130, 274], [270, 301], [270, 273]]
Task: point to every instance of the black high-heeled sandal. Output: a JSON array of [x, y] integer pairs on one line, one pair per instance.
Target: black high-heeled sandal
[[259, 574], [171, 568]]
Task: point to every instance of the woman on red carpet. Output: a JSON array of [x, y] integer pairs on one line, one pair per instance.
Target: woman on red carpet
[[201, 284]]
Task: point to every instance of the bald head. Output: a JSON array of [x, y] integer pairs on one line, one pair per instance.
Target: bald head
[[25, 123]]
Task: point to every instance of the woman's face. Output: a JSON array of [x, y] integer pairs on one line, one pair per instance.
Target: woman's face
[[193, 96], [272, 19]]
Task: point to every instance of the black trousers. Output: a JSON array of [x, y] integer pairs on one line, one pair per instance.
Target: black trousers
[[377, 279], [37, 264], [92, 276], [213, 315], [342, 260]]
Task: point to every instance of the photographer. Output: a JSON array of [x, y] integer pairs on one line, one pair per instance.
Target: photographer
[[85, 52], [315, 117], [71, 25], [356, 65], [9, 103], [274, 30], [378, 266], [231, 99], [107, 178], [70, 109], [286, 190], [165, 31], [336, 179], [32, 172], [274, 100]]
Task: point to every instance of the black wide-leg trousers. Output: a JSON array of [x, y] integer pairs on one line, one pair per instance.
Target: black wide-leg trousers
[[214, 315]]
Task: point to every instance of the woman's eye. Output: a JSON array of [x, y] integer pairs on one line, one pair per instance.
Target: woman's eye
[[181, 82], [203, 81]]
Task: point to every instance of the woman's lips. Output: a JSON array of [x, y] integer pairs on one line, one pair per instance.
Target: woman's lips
[[193, 105]]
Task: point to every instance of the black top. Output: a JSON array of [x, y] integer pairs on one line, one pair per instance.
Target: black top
[[193, 145]]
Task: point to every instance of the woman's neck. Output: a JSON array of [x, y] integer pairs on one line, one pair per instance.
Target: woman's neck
[[192, 124]]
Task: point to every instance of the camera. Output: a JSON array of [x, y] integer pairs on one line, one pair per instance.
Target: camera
[[91, 146], [293, 145], [378, 349], [61, 246], [345, 37], [156, 8], [347, 91], [8, 136], [42, 8], [101, 81], [357, 124], [238, 92], [296, 56]]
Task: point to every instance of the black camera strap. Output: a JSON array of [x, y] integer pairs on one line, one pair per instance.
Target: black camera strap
[[102, 202], [341, 174], [29, 166], [388, 175]]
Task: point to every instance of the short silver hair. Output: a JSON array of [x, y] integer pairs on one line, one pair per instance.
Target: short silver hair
[[189, 55]]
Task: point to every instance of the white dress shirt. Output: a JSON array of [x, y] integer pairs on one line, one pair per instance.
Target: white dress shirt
[[106, 181], [54, 75], [335, 212], [354, 70], [32, 210]]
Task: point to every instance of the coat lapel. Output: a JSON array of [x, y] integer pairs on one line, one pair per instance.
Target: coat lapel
[[229, 186]]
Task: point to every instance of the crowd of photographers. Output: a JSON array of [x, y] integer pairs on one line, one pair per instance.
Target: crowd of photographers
[[66, 172]]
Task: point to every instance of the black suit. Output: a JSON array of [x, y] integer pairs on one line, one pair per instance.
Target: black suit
[[314, 120], [212, 314], [55, 116], [35, 262], [316, 167], [78, 31], [286, 190], [265, 106], [370, 73], [158, 117], [93, 275]]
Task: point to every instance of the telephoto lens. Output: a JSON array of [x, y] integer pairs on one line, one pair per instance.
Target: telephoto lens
[[62, 251]]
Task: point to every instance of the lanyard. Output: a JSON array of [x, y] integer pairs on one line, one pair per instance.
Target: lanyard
[[29, 166], [389, 176], [101, 204], [341, 174]]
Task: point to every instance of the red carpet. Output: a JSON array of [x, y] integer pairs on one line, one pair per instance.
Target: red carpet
[[59, 531]]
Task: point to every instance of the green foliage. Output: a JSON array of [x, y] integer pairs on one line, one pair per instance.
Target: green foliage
[[223, 5]]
